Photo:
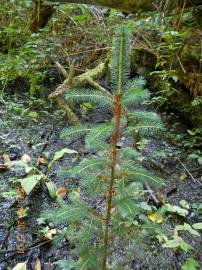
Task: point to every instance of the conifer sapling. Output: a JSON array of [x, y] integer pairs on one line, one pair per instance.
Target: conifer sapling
[[112, 180]]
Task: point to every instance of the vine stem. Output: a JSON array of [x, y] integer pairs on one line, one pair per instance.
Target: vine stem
[[115, 139]]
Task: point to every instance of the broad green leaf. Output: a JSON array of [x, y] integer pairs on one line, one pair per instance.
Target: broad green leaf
[[197, 226], [177, 242], [52, 189], [21, 163], [30, 182], [187, 227], [60, 154], [145, 206], [176, 209], [184, 204], [190, 264]]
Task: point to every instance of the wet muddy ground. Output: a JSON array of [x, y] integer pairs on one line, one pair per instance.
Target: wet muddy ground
[[37, 135]]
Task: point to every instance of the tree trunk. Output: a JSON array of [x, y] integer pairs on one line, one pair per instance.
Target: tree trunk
[[131, 6], [43, 12], [40, 16]]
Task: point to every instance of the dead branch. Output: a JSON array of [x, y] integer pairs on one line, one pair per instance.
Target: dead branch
[[152, 196], [89, 77]]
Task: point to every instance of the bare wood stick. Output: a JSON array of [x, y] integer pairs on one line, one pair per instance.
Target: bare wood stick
[[189, 173], [97, 85], [62, 70], [87, 51], [181, 65]]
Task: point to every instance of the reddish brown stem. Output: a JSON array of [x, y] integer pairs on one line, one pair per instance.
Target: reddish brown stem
[[115, 139]]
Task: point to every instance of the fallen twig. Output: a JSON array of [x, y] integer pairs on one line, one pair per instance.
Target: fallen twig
[[26, 250], [189, 173], [6, 237], [44, 144]]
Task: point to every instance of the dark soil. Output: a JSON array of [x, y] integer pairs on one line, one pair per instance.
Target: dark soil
[[37, 136]]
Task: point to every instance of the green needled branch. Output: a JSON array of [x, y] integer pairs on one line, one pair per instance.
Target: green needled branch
[[120, 65]]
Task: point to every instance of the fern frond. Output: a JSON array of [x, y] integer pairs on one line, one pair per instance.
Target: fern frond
[[127, 208], [146, 118], [135, 93], [94, 184], [99, 98], [144, 176], [75, 131], [147, 123], [140, 82], [145, 129], [129, 153], [96, 138], [120, 62], [86, 167], [139, 174], [92, 259], [65, 213]]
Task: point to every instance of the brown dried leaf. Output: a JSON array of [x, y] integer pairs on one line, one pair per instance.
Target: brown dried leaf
[[42, 160], [61, 192], [49, 234], [6, 158], [37, 265], [26, 158]]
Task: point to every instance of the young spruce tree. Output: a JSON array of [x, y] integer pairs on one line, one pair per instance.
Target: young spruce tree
[[115, 175]]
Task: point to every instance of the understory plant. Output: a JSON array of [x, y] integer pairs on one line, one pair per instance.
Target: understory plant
[[104, 214]]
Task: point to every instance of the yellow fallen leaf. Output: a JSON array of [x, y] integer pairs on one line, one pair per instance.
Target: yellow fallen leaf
[[21, 266], [61, 192], [37, 265], [43, 160], [35, 120], [175, 232], [6, 158], [190, 132], [22, 212], [50, 233], [155, 217], [183, 176], [26, 158]]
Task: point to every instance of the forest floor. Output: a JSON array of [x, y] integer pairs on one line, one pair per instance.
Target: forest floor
[[33, 129]]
